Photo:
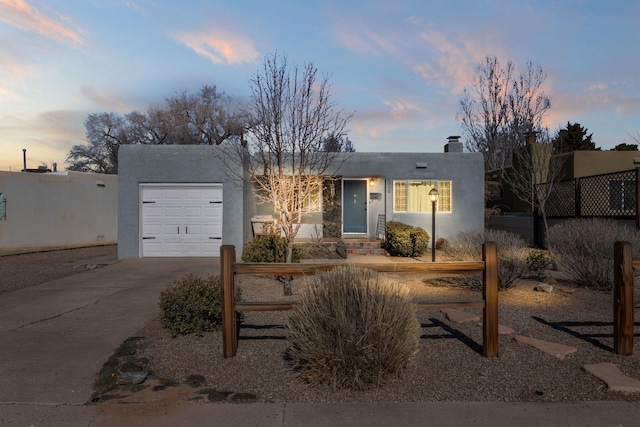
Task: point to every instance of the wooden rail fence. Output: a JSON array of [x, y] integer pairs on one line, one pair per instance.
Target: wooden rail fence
[[623, 308], [489, 303]]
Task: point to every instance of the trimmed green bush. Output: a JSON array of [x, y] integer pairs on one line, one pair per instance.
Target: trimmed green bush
[[405, 240], [268, 248], [512, 255], [583, 248], [351, 330], [191, 305]]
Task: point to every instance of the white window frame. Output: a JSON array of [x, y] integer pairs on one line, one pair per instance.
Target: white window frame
[[429, 209]]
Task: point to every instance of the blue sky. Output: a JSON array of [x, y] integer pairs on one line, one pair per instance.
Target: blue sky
[[399, 65]]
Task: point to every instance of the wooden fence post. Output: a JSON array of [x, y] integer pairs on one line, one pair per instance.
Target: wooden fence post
[[227, 259], [623, 322], [490, 295]]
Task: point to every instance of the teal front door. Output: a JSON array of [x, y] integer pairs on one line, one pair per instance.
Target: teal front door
[[354, 206]]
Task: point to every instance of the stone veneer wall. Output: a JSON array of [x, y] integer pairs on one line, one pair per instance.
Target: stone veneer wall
[[332, 208], [323, 250]]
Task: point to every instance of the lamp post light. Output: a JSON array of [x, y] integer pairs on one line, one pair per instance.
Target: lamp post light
[[433, 196]]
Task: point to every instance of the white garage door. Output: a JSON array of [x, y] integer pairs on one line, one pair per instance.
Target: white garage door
[[181, 220]]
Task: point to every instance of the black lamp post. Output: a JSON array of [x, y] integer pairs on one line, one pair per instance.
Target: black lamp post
[[433, 196]]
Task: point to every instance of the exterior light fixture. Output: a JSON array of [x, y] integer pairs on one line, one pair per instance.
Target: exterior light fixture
[[372, 182], [433, 196]]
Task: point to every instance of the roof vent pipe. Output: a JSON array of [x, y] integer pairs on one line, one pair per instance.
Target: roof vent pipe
[[24, 159]]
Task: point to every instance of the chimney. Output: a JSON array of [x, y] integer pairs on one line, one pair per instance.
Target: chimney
[[24, 159], [530, 137], [453, 145]]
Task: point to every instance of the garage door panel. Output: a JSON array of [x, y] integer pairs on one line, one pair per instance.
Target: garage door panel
[[213, 211], [152, 194], [151, 229], [172, 212], [172, 230], [192, 211], [193, 229], [193, 195], [173, 194], [212, 194], [212, 230], [180, 220], [150, 211], [152, 248]]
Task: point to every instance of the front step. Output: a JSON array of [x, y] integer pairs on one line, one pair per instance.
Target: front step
[[364, 247]]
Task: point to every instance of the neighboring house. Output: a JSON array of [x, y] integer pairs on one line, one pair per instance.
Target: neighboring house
[[57, 210], [178, 201], [592, 183], [575, 165]]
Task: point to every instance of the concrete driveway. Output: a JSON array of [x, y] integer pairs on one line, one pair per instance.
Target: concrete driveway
[[55, 337]]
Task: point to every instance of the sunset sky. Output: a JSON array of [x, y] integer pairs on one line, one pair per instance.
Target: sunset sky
[[399, 65]]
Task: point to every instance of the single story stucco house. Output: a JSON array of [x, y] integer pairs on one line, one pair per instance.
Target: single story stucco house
[[177, 200]]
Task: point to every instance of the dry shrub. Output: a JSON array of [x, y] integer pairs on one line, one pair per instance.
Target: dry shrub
[[583, 248], [352, 330], [512, 255]]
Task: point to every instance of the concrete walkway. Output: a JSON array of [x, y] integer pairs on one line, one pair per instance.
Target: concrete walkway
[[55, 337]]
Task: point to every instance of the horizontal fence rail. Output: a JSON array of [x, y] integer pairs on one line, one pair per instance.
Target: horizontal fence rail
[[489, 303]]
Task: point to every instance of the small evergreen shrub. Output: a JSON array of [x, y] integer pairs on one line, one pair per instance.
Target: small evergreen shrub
[[351, 330], [441, 243], [538, 261], [512, 255], [191, 305], [405, 240], [583, 248], [269, 248]]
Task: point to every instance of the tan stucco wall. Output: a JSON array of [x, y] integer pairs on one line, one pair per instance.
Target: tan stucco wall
[[51, 210], [589, 163]]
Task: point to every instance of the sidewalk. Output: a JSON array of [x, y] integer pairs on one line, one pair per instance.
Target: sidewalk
[[55, 337]]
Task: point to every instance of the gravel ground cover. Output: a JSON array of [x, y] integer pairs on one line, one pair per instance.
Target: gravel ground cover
[[449, 365]]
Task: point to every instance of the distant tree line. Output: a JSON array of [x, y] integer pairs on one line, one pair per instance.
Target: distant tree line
[[207, 117]]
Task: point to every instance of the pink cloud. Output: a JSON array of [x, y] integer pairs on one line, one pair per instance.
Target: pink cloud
[[356, 36], [19, 14], [404, 109], [453, 62], [4, 92], [219, 46], [104, 100]]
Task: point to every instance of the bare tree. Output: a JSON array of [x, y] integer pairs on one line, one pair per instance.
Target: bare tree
[[533, 173], [500, 108], [106, 132], [153, 126], [208, 117], [293, 114]]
